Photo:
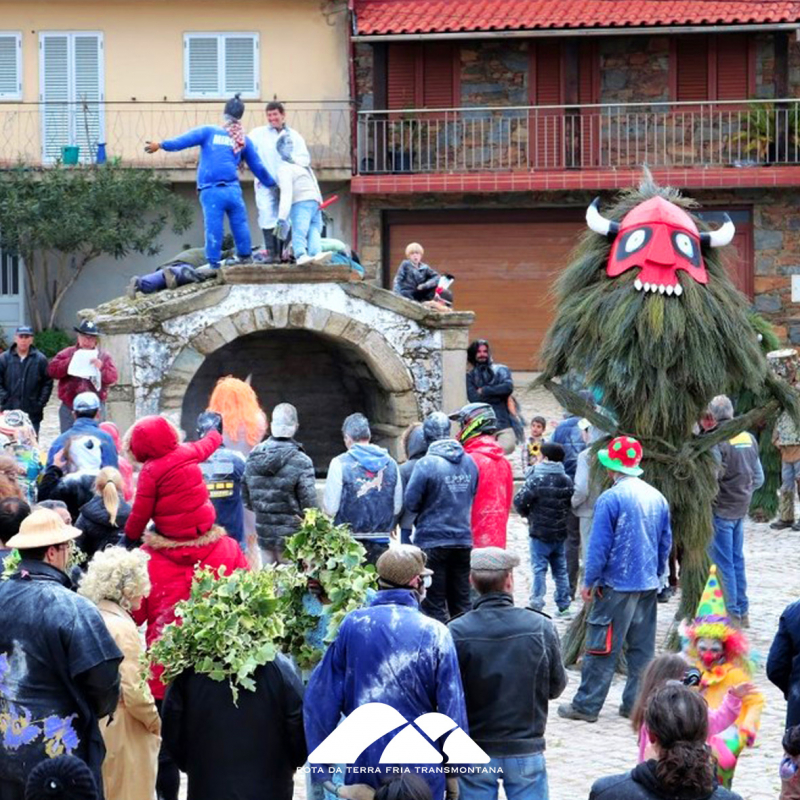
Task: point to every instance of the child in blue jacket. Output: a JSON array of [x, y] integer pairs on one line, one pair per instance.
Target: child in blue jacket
[[222, 148]]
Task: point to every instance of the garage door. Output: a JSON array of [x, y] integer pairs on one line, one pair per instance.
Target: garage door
[[505, 264]]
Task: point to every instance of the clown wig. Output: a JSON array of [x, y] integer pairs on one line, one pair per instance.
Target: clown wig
[[242, 415]]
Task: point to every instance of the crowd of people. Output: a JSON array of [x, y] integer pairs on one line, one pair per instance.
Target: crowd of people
[[101, 546]]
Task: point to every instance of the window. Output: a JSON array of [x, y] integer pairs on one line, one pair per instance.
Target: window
[[422, 76], [71, 91], [218, 65], [713, 67], [10, 66]]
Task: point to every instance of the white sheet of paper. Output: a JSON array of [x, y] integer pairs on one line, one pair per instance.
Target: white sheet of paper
[[81, 366]]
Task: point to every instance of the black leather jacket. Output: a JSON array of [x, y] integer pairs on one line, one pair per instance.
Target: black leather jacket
[[511, 667]]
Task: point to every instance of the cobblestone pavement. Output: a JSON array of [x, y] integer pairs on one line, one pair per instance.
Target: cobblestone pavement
[[578, 753]]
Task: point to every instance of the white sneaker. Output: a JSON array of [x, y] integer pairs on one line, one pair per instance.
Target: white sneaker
[[306, 259], [322, 258]]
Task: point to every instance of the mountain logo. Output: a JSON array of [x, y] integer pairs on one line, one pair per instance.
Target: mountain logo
[[370, 722]]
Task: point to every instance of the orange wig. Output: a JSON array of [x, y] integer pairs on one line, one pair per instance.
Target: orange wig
[[241, 413]]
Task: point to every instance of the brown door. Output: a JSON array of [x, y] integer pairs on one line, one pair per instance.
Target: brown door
[[739, 257], [505, 265]]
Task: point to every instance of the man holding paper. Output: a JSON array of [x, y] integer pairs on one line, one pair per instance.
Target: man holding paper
[[82, 368]]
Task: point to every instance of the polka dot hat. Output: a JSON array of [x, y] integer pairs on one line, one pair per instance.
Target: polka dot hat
[[712, 603], [623, 454]]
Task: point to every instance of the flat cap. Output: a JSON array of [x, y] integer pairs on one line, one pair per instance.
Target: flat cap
[[399, 565], [492, 559]]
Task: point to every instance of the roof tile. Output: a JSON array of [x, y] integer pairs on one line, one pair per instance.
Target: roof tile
[[450, 16]]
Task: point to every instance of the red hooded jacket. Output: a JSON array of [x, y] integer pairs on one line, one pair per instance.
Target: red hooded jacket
[[171, 569], [170, 490], [492, 503]]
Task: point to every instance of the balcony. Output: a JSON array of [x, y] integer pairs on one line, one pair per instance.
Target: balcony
[[593, 146], [37, 133]]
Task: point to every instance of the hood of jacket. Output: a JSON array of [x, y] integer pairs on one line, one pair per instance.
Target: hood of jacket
[[485, 446], [645, 774], [153, 437], [551, 467], [416, 445], [370, 456], [184, 553], [449, 449], [274, 454]]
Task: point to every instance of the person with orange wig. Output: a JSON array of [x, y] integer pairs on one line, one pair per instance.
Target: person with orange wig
[[244, 420], [244, 426]]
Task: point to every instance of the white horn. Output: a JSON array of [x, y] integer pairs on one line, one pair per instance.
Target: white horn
[[598, 223], [720, 237]]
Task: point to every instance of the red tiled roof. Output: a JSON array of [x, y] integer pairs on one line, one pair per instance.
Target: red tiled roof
[[443, 16]]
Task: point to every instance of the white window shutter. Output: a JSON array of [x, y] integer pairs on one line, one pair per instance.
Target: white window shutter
[[88, 91], [55, 94], [10, 78], [202, 66], [241, 65]]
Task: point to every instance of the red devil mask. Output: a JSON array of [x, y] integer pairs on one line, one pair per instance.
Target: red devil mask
[[660, 238]]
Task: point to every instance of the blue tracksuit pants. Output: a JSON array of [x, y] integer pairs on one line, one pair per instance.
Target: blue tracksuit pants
[[218, 201]]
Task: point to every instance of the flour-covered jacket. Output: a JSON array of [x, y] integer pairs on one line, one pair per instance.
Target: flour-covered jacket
[[387, 653], [363, 490], [265, 140], [440, 492], [219, 164], [59, 673], [631, 537]]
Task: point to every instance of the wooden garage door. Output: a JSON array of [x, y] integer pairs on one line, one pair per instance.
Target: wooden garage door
[[504, 263]]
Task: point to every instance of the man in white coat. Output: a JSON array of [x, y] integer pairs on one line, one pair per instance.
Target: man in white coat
[[265, 140]]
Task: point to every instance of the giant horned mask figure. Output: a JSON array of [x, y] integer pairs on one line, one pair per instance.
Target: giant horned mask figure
[[660, 238]]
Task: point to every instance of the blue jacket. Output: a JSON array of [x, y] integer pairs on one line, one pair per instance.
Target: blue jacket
[[568, 435], [364, 491], [83, 426], [440, 492], [222, 474], [218, 164], [387, 653], [783, 664], [631, 537]]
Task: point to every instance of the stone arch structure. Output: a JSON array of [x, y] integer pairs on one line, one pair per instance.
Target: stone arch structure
[[407, 359]]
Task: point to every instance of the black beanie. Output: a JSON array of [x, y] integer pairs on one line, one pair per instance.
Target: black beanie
[[62, 778], [235, 107]]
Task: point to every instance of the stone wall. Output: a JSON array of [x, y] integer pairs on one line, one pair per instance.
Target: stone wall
[[364, 87], [495, 73], [634, 69]]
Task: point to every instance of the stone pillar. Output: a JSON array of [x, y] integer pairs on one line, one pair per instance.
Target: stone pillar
[[120, 405], [454, 368]]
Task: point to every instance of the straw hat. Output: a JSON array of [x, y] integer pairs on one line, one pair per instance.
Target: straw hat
[[42, 528]]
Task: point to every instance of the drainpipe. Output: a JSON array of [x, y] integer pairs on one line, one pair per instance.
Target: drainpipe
[[353, 117]]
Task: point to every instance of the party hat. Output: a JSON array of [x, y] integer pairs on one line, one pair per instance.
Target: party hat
[[712, 603]]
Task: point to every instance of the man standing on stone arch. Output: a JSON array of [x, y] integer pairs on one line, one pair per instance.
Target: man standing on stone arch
[[265, 138]]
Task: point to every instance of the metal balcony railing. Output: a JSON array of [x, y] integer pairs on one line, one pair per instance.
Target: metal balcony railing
[[37, 134], [720, 134]]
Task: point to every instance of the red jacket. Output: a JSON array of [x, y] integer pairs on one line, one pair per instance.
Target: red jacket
[[492, 503], [171, 490], [171, 569], [69, 385]]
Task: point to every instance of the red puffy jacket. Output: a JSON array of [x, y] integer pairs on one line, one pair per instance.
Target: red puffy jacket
[[492, 503], [170, 490], [171, 569]]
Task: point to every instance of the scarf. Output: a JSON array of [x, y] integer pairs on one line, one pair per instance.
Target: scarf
[[236, 132]]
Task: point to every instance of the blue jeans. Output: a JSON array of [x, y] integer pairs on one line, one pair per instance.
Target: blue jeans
[[524, 778], [217, 201], [306, 219], [627, 618], [727, 552], [552, 554]]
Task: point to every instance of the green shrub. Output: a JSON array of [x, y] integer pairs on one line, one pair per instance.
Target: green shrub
[[52, 340]]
